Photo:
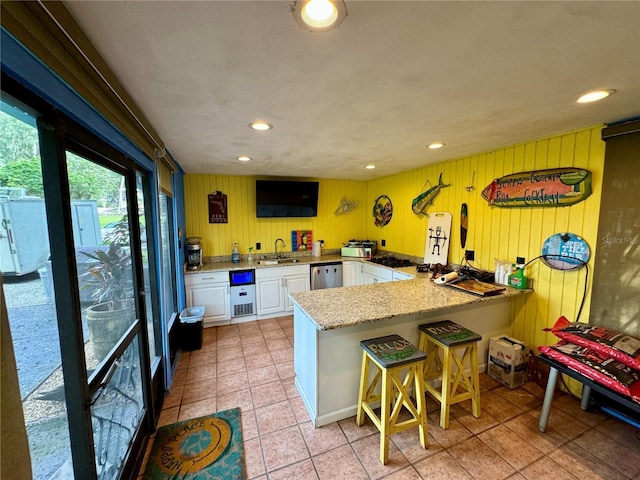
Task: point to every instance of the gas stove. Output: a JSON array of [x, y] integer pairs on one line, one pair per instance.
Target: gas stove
[[392, 262]]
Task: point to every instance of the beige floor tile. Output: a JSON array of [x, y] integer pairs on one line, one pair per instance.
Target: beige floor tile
[[270, 335], [475, 425], [617, 455], [231, 383], [354, 432], [254, 349], [322, 439], [258, 360], [278, 344], [283, 447], [253, 458], [498, 407], [230, 353], [303, 470], [268, 394], [275, 417], [285, 370], [289, 385], [441, 466], [563, 423], [283, 355], [252, 339], [519, 397], [194, 392], [480, 461], [408, 442], [241, 399], [622, 432], [227, 367], [174, 398], [546, 469], [249, 424], [339, 463], [453, 435], [571, 406], [269, 324], [201, 373], [511, 447], [197, 409], [262, 375], [408, 473], [368, 452], [527, 427], [299, 409], [200, 358], [228, 342], [168, 416], [583, 464]]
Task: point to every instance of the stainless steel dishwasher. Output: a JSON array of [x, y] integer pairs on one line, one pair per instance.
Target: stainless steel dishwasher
[[326, 275]]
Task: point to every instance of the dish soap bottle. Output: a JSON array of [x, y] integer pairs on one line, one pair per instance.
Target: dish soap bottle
[[517, 279], [235, 254]]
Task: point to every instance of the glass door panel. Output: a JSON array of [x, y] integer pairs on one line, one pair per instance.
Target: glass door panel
[[29, 296]]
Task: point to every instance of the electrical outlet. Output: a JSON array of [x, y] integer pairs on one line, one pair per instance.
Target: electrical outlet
[[258, 245], [383, 243], [469, 255]]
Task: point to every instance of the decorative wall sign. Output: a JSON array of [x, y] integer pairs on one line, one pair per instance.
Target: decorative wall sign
[[382, 211], [218, 208], [556, 187], [301, 240], [565, 251], [464, 224], [420, 204]]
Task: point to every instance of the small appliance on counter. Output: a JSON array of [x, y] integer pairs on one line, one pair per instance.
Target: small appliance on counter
[[359, 248], [194, 253], [393, 262]]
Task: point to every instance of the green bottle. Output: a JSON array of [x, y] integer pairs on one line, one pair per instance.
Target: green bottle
[[518, 280]]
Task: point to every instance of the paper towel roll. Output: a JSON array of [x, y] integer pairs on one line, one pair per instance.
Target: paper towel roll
[[446, 278], [315, 249]]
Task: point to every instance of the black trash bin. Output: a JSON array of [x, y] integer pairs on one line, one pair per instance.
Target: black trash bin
[[191, 328]]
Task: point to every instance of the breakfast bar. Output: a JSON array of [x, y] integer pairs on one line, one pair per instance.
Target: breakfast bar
[[329, 325]]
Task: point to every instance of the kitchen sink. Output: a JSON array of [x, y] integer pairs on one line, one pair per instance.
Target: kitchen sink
[[278, 261]]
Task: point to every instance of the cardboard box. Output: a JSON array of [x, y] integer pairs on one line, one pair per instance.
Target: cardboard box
[[508, 361]]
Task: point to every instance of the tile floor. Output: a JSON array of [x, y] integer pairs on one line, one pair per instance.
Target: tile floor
[[250, 365]]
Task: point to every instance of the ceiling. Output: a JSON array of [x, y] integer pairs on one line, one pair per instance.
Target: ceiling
[[394, 77]]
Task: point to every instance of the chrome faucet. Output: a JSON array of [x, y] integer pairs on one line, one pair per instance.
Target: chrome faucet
[[276, 246]]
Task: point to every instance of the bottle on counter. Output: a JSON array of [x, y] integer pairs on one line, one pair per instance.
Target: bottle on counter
[[517, 279], [235, 254], [250, 257]]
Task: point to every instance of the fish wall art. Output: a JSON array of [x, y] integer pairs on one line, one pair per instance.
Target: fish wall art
[[420, 204]]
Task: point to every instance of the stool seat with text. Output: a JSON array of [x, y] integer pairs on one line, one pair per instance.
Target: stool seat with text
[[399, 366], [456, 385]]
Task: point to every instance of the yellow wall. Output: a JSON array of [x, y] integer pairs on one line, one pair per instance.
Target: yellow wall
[[501, 232], [493, 232], [243, 226]]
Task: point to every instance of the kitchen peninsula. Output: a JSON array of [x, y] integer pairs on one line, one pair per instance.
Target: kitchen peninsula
[[329, 325]]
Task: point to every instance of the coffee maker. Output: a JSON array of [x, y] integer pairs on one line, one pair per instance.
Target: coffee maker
[[194, 253]]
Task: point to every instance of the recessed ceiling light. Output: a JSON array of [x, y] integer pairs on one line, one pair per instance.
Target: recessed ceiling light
[[319, 15], [244, 158], [261, 126], [370, 167], [436, 145], [595, 95]]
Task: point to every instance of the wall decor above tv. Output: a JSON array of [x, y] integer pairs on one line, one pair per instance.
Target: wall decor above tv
[[286, 198]]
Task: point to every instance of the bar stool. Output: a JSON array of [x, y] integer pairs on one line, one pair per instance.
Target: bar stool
[[449, 337], [392, 356]]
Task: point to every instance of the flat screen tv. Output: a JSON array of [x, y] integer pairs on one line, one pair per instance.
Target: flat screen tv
[[284, 198]]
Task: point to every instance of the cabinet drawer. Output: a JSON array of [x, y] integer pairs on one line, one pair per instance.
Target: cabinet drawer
[[274, 272], [206, 277]]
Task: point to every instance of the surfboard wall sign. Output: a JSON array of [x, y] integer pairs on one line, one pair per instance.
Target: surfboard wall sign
[[555, 187]]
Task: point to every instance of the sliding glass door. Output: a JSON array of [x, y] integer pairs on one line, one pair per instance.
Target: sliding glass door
[[77, 273]]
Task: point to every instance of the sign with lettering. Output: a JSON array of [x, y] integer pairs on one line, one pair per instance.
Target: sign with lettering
[[565, 251], [555, 187], [392, 350], [218, 208], [449, 333]]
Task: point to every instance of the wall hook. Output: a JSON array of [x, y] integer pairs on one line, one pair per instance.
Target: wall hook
[[470, 188]]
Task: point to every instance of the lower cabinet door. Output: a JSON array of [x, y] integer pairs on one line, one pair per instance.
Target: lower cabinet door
[[269, 295], [214, 298], [294, 284]]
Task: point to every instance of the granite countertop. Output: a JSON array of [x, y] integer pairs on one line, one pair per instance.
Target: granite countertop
[[244, 265], [349, 306]]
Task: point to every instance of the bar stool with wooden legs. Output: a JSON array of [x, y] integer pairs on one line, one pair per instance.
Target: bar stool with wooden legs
[[456, 385], [392, 356]]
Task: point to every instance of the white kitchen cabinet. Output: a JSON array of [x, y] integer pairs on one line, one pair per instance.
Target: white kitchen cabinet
[[349, 271], [273, 286], [372, 273], [401, 276], [212, 291]]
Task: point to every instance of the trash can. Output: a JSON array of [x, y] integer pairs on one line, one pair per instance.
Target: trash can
[[191, 328]]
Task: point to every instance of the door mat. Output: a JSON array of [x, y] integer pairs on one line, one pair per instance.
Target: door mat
[[202, 448]]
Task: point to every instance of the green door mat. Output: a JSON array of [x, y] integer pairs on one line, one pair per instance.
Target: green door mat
[[202, 448]]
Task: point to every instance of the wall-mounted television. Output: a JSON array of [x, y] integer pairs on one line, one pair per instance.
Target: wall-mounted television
[[286, 198]]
